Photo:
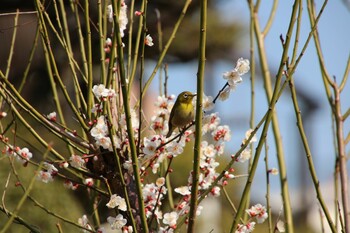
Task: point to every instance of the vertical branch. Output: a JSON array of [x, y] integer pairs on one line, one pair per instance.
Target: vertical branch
[[339, 125], [307, 149], [89, 60], [199, 113], [268, 205], [126, 103], [14, 35], [252, 86]]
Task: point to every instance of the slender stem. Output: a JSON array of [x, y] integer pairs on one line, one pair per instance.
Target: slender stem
[[268, 205], [261, 142], [345, 76], [89, 60], [137, 44], [275, 125], [307, 149], [199, 114], [271, 17], [252, 87], [126, 103], [342, 156], [12, 47], [31, 56], [325, 75]]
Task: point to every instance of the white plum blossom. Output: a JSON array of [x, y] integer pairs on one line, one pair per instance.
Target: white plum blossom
[[183, 190], [100, 129], [247, 228], [215, 191], [149, 40], [170, 218], [245, 155], [24, 155], [117, 201], [123, 17], [84, 222], [150, 146], [175, 148], [160, 182], [208, 149], [273, 171], [88, 181], [101, 92], [76, 161], [48, 172], [116, 223], [105, 142], [207, 103], [234, 76], [210, 122], [247, 135], [222, 132], [152, 194], [52, 116], [44, 176], [224, 94], [258, 211]]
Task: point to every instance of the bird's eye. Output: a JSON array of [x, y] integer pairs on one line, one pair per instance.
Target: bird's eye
[[185, 95]]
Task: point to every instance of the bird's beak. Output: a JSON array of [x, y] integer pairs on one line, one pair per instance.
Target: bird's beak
[[194, 94]]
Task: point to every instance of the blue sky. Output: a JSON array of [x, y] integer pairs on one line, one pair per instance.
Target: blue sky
[[335, 37]]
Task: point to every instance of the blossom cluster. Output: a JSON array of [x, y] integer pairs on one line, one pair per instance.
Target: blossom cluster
[[258, 212], [22, 155]]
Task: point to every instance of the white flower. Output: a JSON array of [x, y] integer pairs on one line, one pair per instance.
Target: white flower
[[84, 222], [274, 171], [249, 227], [183, 190], [116, 201], [280, 226], [150, 146], [233, 77], [110, 13], [89, 182], [225, 94], [175, 148], [76, 161], [25, 155], [123, 18], [259, 212], [222, 132], [199, 210], [215, 191], [105, 142], [44, 176], [50, 168], [247, 135], [117, 222], [160, 182], [149, 40], [207, 103], [242, 66], [100, 91], [209, 150], [170, 218], [245, 155], [52, 116]]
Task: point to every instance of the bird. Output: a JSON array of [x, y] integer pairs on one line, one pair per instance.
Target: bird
[[182, 112]]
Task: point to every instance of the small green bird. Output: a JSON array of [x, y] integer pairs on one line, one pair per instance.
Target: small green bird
[[182, 112]]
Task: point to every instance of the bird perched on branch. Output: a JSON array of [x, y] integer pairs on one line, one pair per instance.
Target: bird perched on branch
[[182, 112]]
